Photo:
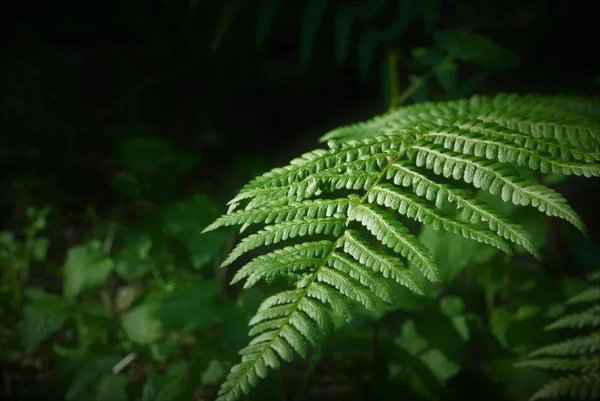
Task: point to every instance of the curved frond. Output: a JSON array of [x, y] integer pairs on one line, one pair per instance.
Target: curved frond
[[353, 193]]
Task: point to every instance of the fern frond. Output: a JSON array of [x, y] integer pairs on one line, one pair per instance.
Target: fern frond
[[285, 230], [591, 294], [288, 259], [385, 164], [505, 152], [584, 387], [472, 210], [496, 179], [588, 318], [579, 345], [584, 365], [580, 355], [412, 207], [391, 267]]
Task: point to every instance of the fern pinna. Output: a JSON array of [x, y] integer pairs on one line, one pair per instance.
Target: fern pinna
[[409, 162], [577, 358]]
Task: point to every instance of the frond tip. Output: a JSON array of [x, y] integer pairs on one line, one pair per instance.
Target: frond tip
[[333, 214]]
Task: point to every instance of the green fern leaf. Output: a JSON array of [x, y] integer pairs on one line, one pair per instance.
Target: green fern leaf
[[391, 167], [584, 387], [579, 345]]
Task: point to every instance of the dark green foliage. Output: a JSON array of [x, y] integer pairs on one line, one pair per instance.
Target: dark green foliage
[[409, 161], [576, 359]]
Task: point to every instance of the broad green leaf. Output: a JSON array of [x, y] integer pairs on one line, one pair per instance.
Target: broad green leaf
[[141, 326], [477, 49], [311, 21], [86, 268], [112, 388]]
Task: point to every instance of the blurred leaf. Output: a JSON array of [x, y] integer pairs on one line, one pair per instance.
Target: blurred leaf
[[431, 13], [166, 389], [477, 49], [130, 267], [85, 383], [191, 309], [410, 340], [166, 347], [39, 248], [112, 388], [368, 41], [403, 19], [441, 367], [341, 33], [141, 326], [451, 251], [499, 323], [214, 372], [125, 297], [229, 10], [233, 330], [447, 75], [86, 267], [267, 10], [452, 306], [311, 21], [8, 246], [203, 248], [44, 315], [186, 220], [368, 9], [420, 94], [427, 56]]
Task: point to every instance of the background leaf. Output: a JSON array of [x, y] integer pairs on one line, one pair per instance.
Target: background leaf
[[86, 267], [311, 21]]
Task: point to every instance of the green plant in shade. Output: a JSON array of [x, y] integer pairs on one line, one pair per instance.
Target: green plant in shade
[[577, 358], [416, 162]]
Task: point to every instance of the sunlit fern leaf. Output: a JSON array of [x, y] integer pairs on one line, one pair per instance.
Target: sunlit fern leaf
[[496, 178], [577, 359], [355, 192], [286, 230]]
